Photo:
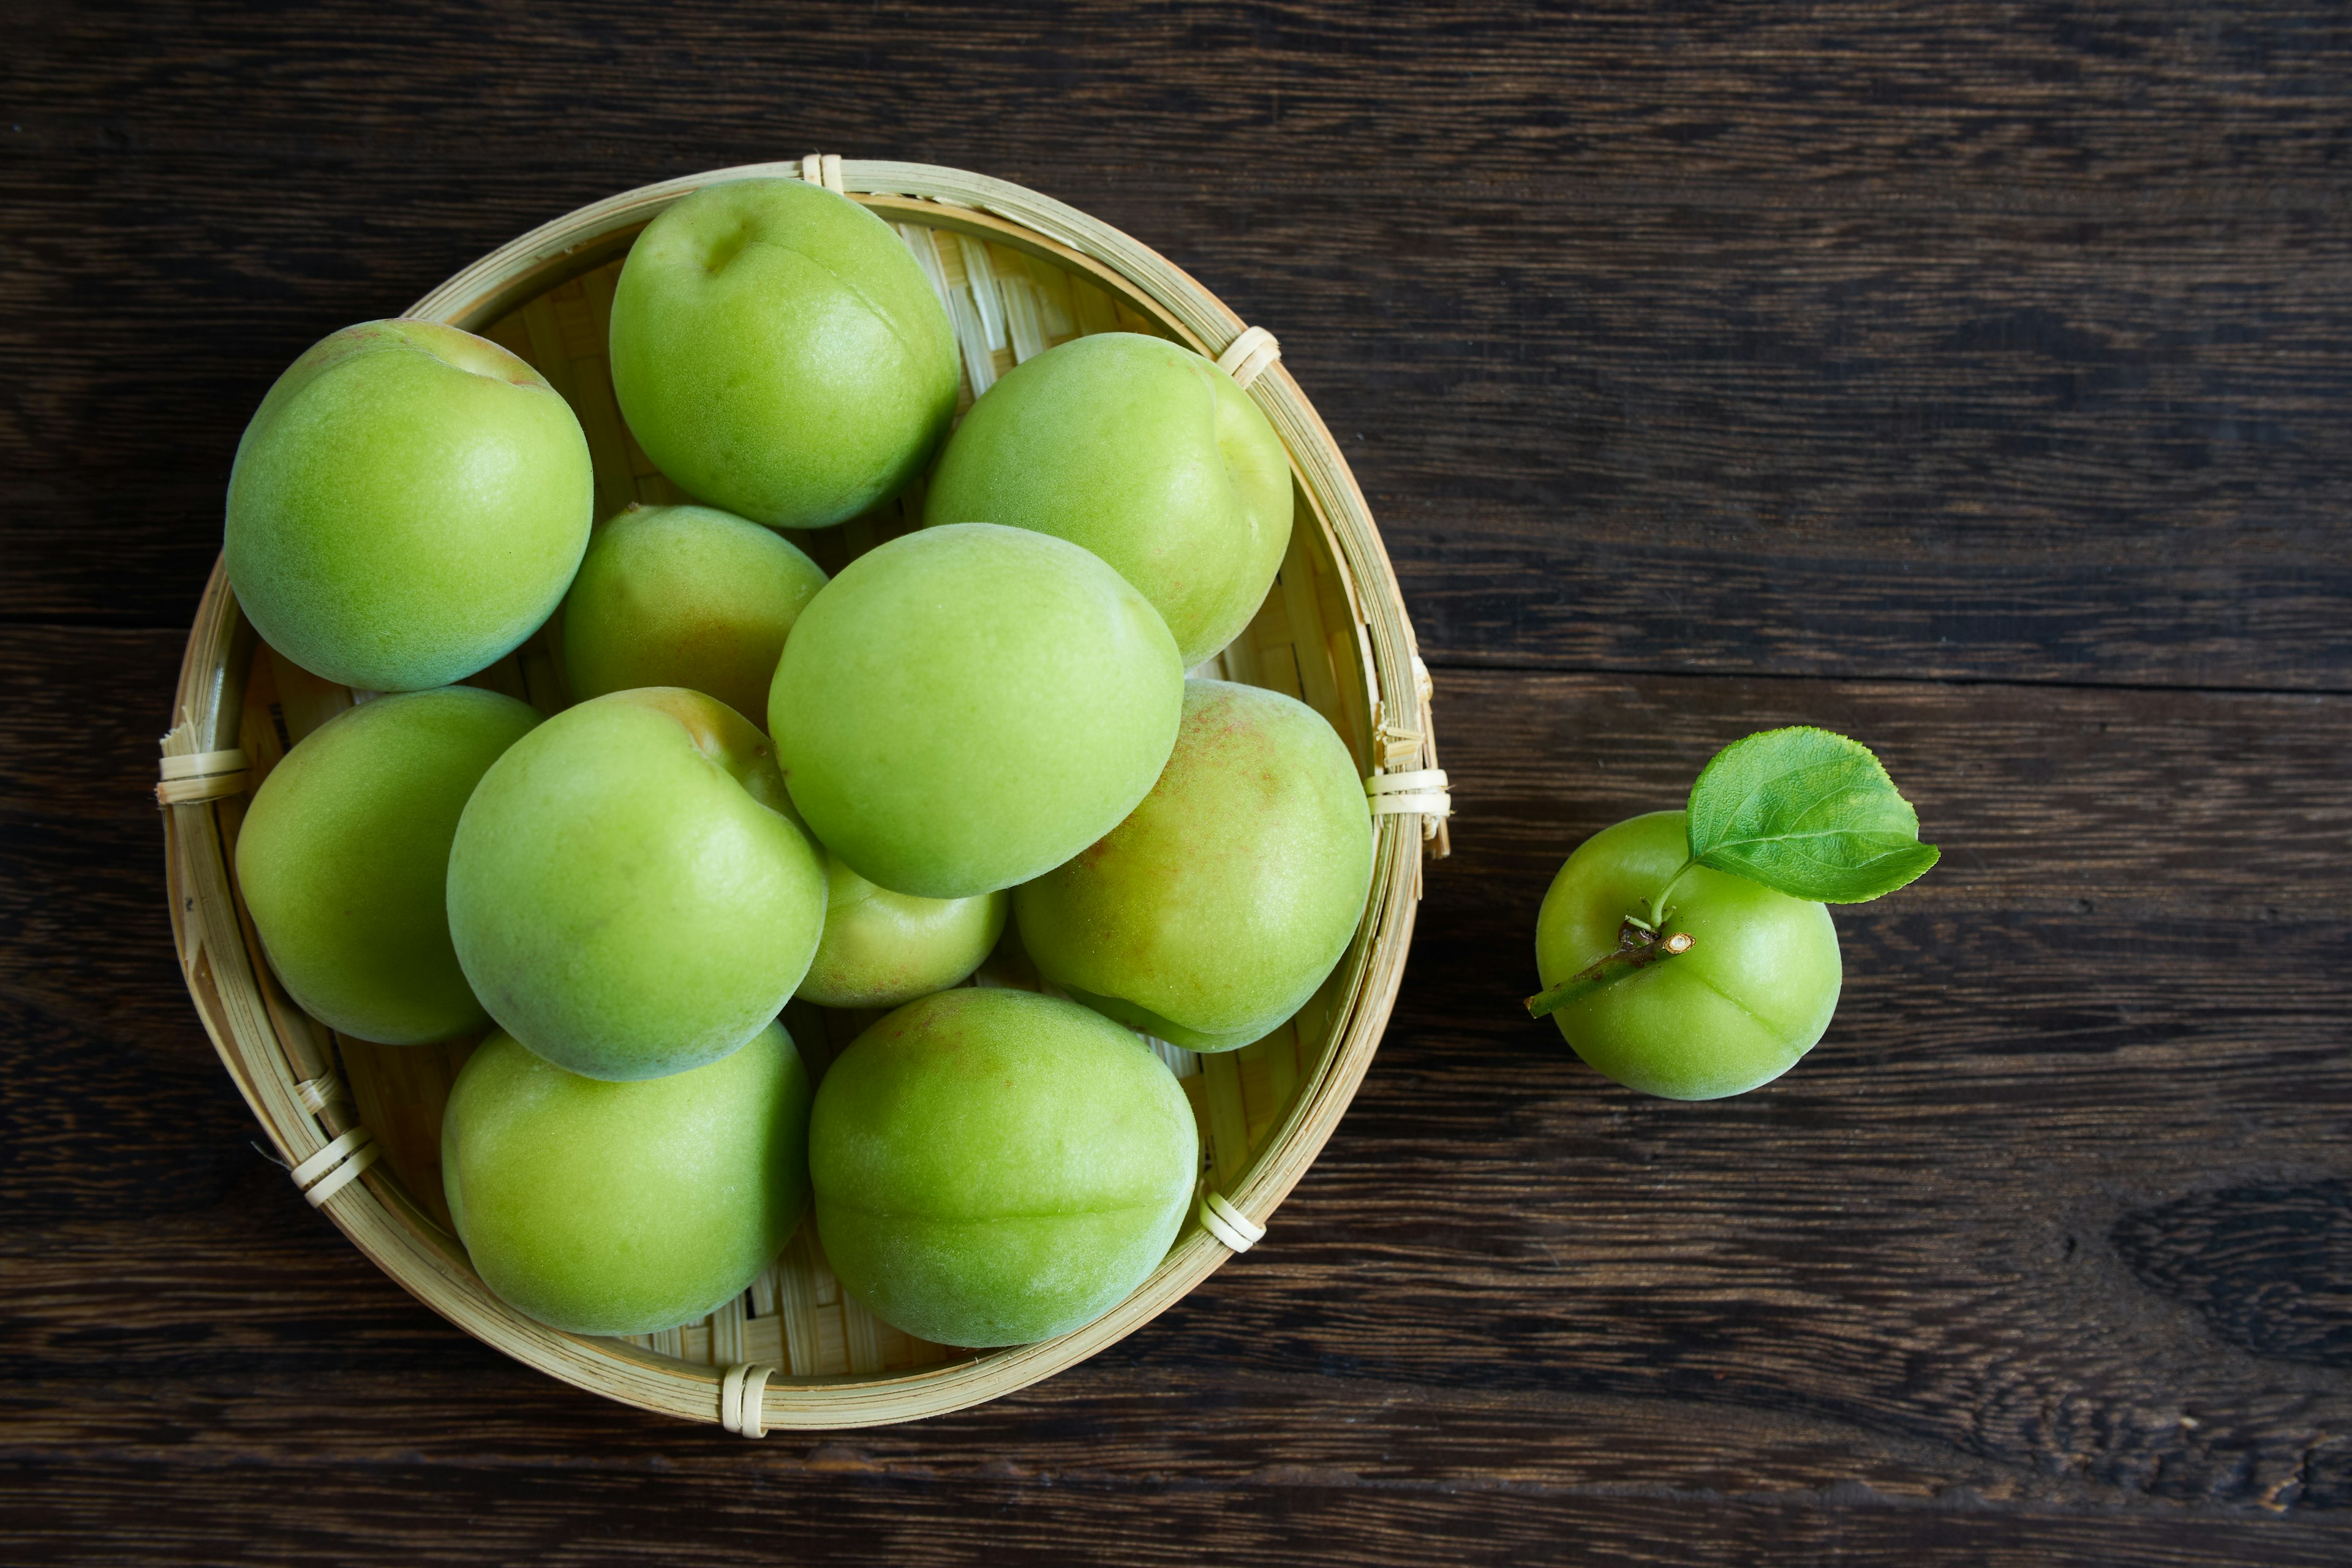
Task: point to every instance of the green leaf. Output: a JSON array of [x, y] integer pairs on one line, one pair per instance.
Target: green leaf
[[1808, 812]]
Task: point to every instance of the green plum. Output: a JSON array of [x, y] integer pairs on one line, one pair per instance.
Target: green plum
[[629, 891], [968, 706], [993, 1167], [1752, 995], [882, 948], [778, 352], [1148, 455], [621, 1208], [685, 595], [407, 505], [344, 860], [1213, 911]]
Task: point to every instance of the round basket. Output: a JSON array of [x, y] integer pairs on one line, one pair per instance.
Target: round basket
[[357, 1124]]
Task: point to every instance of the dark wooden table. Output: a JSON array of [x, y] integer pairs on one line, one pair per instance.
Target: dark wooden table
[[1976, 379]]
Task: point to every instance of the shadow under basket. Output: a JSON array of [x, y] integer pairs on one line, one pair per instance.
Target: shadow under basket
[[359, 1123]]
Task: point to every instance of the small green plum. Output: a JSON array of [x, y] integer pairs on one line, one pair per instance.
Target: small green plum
[[1212, 913], [1145, 453], [881, 948], [778, 352], [966, 707], [1753, 993], [993, 1167], [407, 505], [685, 595], [629, 891], [621, 1208], [344, 860]]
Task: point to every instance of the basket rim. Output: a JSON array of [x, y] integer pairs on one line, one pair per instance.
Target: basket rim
[[272, 1053]]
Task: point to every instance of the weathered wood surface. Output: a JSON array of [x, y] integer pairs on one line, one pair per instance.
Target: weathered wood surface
[[2047, 1239], [1664, 337], [1972, 379]]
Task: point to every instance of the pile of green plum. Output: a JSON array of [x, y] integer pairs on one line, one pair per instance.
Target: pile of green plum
[[769, 784]]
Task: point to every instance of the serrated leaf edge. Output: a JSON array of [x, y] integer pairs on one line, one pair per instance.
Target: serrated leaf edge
[[1935, 856], [1690, 815]]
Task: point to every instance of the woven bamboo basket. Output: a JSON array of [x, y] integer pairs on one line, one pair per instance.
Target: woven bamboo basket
[[357, 1124]]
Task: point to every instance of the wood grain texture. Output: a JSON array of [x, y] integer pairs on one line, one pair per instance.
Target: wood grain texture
[[1998, 341], [1973, 380], [1975, 1283], [546, 1517]]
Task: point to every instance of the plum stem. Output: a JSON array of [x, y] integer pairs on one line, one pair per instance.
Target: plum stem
[[1638, 947], [1658, 905]]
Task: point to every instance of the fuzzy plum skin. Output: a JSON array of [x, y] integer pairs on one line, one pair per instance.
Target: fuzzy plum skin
[[1148, 455], [685, 595], [994, 1167], [1753, 994], [881, 949], [777, 353], [968, 706], [628, 891], [1212, 913], [344, 860], [407, 505], [621, 1208]]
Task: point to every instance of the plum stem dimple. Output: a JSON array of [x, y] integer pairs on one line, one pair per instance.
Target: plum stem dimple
[[1638, 947], [727, 249]]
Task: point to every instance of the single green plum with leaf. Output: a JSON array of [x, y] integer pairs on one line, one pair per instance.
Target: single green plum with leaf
[[1689, 953]]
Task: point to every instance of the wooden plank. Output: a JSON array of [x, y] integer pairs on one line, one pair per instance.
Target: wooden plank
[[1825, 341], [2048, 1216], [844, 1510]]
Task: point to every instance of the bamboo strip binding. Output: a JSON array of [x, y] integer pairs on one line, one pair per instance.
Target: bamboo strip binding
[[1418, 790], [1018, 272], [1248, 355], [742, 1394], [200, 775], [1227, 1224], [336, 1166]]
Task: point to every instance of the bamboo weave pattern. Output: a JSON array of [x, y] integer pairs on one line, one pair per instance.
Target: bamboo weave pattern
[[1017, 274]]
